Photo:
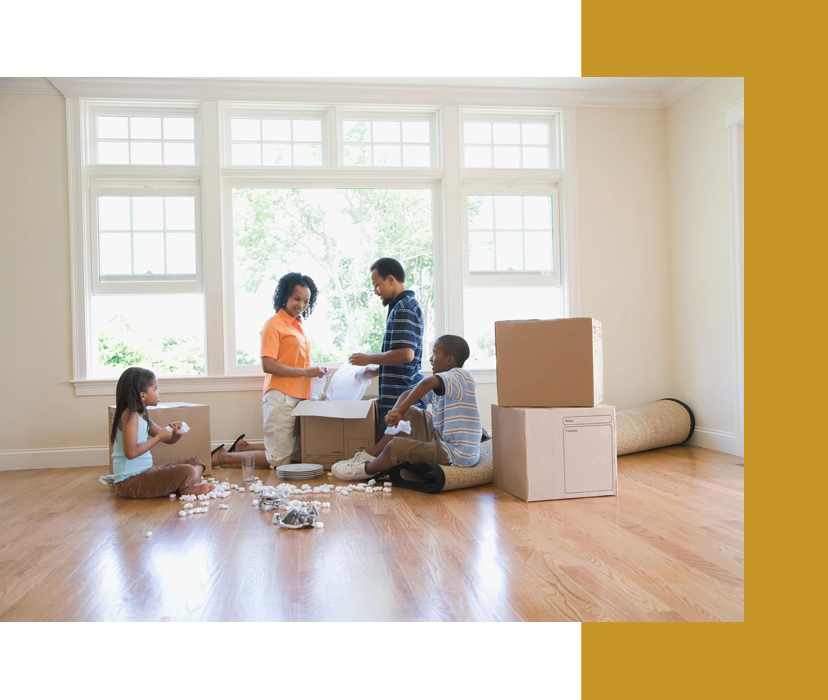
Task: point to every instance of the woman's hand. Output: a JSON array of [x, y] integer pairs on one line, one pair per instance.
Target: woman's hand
[[393, 417], [314, 372]]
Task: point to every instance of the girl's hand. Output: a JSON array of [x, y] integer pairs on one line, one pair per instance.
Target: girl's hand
[[164, 435], [392, 418], [314, 372], [176, 427]]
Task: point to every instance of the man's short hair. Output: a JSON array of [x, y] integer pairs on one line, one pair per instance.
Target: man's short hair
[[455, 346], [389, 266]]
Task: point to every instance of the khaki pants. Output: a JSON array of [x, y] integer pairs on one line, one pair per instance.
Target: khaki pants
[[280, 443], [163, 480], [422, 445]]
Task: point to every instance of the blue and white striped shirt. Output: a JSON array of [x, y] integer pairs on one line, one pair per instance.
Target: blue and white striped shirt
[[403, 329], [457, 416]]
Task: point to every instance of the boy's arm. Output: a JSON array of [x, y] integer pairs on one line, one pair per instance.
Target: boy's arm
[[410, 397]]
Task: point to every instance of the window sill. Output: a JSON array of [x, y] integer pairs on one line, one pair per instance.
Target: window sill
[[200, 385]]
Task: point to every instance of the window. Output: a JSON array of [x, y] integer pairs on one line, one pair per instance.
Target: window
[[141, 136], [145, 236], [318, 188], [275, 139], [509, 142], [512, 267], [333, 235], [144, 291], [387, 142], [510, 233]]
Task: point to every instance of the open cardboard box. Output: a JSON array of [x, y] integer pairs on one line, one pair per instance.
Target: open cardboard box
[[195, 443], [335, 430]]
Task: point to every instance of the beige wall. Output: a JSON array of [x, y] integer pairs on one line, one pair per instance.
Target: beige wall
[[623, 248], [701, 267], [625, 280]]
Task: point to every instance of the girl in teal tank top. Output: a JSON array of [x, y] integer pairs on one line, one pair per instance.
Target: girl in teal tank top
[[134, 435]]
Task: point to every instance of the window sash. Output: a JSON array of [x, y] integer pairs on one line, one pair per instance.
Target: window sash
[[230, 183], [94, 110], [529, 278], [551, 120], [432, 116], [143, 284], [230, 111]]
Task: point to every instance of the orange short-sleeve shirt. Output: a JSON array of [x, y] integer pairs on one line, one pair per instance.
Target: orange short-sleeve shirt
[[284, 339]]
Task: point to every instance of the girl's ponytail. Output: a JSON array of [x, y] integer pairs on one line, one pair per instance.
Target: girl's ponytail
[[128, 395]]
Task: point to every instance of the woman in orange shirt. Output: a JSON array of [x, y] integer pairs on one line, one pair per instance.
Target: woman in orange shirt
[[286, 352]]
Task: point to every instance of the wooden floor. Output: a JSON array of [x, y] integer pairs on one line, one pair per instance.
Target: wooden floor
[[668, 548]]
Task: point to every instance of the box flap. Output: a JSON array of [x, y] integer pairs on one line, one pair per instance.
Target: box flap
[[333, 409]]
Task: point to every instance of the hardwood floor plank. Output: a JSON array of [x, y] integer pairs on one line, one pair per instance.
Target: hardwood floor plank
[[669, 547]]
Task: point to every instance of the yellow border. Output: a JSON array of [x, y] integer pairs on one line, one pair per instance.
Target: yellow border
[[722, 660]]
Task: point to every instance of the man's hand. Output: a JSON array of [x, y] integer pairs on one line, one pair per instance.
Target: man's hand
[[360, 359], [393, 417], [314, 372], [370, 372]]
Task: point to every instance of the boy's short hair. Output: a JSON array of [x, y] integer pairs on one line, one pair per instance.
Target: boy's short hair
[[389, 266], [455, 346]]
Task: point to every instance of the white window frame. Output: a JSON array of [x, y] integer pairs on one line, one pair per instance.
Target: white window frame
[[144, 284], [553, 121], [126, 108], [528, 278], [214, 176], [431, 115], [235, 110], [231, 183]]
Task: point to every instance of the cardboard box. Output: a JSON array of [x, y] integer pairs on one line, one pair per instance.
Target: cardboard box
[[550, 363], [335, 430], [195, 443], [542, 454]]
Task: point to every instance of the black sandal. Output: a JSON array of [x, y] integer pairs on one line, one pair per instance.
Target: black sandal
[[216, 450], [233, 448]]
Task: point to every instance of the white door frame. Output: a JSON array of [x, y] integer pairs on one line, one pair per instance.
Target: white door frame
[[735, 125]]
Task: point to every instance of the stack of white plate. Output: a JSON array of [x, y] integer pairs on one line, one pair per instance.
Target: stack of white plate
[[299, 471]]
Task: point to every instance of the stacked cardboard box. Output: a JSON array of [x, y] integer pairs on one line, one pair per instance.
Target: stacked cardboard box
[[552, 436]]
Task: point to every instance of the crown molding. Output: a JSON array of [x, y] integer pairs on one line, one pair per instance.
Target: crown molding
[[678, 88], [28, 86], [344, 93]]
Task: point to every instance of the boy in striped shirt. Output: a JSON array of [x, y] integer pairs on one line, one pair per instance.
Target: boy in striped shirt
[[451, 436]]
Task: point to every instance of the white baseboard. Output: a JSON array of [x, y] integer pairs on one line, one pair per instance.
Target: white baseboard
[[717, 440], [64, 457], [54, 458]]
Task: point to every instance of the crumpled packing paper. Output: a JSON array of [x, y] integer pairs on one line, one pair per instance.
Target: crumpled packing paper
[[403, 426]]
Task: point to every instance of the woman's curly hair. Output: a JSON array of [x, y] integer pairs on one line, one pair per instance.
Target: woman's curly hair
[[285, 288]]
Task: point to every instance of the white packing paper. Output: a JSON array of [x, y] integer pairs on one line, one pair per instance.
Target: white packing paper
[[403, 426], [348, 383]]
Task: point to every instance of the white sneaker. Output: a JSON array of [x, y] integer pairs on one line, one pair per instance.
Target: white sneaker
[[352, 469]]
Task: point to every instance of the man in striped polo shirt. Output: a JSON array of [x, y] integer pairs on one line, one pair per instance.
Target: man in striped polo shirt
[[451, 436], [402, 345]]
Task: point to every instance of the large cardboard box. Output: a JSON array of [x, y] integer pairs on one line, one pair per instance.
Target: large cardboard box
[[542, 454], [550, 363], [195, 443], [335, 430]]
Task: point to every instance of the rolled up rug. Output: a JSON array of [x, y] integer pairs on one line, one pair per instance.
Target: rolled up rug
[[434, 478]]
